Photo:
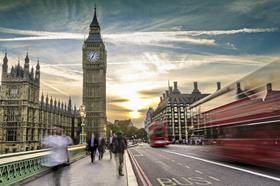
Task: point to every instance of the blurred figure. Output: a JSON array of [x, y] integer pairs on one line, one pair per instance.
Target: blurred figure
[[101, 147], [119, 145], [68, 141], [92, 146], [110, 144], [59, 156]]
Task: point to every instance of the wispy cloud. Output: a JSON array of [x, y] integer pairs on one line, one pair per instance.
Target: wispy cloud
[[156, 37], [54, 88], [230, 32], [139, 38]]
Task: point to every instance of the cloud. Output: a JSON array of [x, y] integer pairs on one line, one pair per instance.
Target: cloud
[[133, 38], [53, 87], [6, 6], [244, 7], [136, 38], [117, 100], [230, 32], [117, 108], [156, 37], [152, 92]]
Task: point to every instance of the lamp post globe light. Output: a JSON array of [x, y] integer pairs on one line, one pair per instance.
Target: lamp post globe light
[[83, 115]]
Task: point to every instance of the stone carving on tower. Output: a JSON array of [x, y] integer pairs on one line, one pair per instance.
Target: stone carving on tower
[[94, 80]]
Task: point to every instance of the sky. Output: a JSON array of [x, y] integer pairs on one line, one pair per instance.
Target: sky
[[148, 43]]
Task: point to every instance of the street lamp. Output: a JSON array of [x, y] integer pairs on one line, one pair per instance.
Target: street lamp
[[83, 115]]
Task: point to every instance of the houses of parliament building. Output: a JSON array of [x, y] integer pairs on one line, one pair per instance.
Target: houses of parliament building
[[25, 118]]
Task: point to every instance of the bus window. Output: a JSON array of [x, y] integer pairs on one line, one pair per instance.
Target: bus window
[[159, 133]]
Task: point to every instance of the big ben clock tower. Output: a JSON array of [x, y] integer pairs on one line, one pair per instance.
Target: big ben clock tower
[[94, 80]]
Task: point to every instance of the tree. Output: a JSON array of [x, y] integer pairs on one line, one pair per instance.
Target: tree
[[141, 133]]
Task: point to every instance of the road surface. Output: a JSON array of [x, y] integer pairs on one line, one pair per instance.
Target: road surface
[[193, 165]]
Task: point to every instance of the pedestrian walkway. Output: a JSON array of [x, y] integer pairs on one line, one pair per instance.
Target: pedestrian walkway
[[84, 173]]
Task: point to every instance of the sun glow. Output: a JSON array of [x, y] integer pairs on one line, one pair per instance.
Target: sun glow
[[135, 101], [134, 115]]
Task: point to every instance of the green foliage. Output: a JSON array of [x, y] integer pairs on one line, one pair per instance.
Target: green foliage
[[128, 131]]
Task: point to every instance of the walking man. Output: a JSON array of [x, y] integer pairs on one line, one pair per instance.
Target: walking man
[[119, 145], [92, 145]]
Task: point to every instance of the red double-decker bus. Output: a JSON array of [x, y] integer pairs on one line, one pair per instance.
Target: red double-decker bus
[[243, 118], [158, 134]]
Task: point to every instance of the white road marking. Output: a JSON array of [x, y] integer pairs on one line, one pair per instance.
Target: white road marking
[[213, 178], [187, 166], [179, 164], [199, 172], [138, 153], [224, 165]]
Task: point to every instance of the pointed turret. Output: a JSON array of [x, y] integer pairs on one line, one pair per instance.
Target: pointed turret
[[5, 66], [58, 106], [26, 67], [94, 31], [51, 101], [17, 68], [62, 107], [69, 104], [32, 73], [47, 100], [38, 65], [94, 22], [13, 71], [75, 110], [42, 97], [55, 106], [5, 59], [26, 61], [42, 100], [37, 73]]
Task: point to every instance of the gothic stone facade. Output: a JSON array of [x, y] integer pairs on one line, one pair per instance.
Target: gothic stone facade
[[94, 80], [24, 119]]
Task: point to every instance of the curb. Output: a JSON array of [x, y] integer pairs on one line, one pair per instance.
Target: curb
[[131, 178], [142, 176]]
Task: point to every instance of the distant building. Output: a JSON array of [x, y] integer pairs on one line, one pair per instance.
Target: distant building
[[24, 118], [172, 108], [127, 123], [149, 117]]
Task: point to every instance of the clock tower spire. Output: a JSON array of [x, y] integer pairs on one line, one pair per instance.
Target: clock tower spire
[[94, 80], [94, 22]]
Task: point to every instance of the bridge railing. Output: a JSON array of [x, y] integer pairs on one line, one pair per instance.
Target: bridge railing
[[16, 167]]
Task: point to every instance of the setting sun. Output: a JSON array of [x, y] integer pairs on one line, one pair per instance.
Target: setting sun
[[134, 114]]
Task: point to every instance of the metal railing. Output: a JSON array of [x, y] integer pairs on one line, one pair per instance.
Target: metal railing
[[16, 167]]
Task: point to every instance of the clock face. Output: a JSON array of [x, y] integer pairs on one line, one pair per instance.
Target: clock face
[[93, 56]]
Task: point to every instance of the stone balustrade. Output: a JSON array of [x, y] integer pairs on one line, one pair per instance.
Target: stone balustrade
[[16, 167]]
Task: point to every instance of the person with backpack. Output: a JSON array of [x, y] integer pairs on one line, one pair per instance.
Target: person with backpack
[[119, 145]]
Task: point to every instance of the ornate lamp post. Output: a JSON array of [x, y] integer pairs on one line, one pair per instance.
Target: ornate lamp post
[[83, 115]]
